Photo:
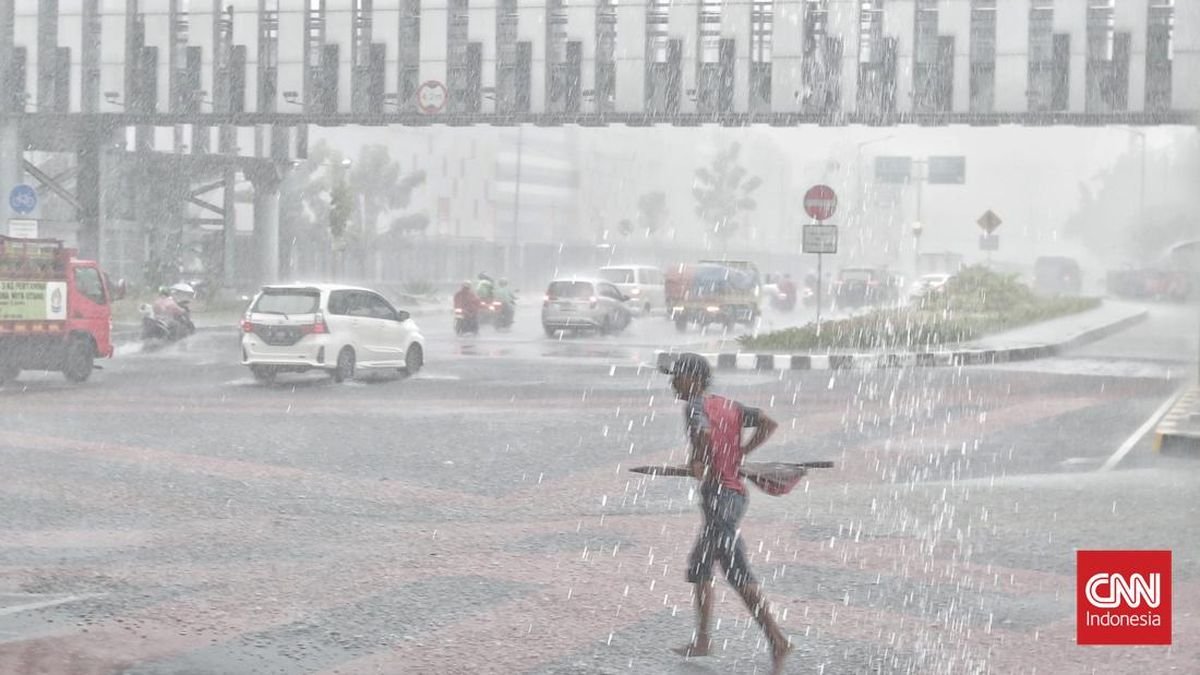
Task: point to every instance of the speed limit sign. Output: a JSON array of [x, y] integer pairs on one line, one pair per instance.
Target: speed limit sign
[[431, 97]]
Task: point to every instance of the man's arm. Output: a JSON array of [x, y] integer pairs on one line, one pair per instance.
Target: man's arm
[[701, 442], [764, 427]]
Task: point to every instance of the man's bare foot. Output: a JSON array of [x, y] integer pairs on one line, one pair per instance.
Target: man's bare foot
[[779, 654], [693, 649]]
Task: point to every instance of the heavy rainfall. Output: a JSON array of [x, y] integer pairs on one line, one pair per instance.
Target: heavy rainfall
[[744, 336]]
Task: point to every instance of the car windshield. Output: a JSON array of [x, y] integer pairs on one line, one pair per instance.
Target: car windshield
[[287, 301], [618, 275], [571, 289]]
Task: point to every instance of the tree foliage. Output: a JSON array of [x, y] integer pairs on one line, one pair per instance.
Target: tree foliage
[[652, 211], [724, 193], [1109, 220]]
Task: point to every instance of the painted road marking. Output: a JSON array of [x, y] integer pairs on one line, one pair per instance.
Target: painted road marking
[[43, 604], [1117, 456]]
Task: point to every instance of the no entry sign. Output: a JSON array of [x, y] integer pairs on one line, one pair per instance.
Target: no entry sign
[[820, 202]]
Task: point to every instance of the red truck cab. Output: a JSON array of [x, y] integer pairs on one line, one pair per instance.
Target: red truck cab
[[55, 309]]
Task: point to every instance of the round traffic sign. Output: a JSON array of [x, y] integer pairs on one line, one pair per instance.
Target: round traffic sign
[[23, 199], [820, 202], [431, 97]]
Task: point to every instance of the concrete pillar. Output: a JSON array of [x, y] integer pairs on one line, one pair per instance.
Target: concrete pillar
[[11, 154], [88, 192], [266, 228], [11, 149]]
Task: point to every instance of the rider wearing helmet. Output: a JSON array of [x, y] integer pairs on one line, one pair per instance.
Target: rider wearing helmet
[[466, 299], [165, 307], [486, 288]]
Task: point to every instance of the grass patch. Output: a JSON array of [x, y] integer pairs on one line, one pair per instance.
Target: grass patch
[[976, 302]]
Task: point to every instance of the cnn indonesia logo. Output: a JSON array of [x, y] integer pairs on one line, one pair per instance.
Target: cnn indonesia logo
[[1123, 597]]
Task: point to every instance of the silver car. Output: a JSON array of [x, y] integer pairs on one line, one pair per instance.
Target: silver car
[[584, 304]]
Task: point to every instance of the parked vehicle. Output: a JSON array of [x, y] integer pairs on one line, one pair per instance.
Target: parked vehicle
[[55, 309], [642, 283], [865, 286], [1057, 275], [339, 329], [584, 304], [707, 294]]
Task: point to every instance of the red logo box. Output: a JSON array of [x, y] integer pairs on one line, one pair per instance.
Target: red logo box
[[1123, 597]]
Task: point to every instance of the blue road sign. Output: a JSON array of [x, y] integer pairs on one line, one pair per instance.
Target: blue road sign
[[23, 199]]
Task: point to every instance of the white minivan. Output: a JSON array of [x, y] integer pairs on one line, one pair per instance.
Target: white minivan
[[339, 329], [642, 283]]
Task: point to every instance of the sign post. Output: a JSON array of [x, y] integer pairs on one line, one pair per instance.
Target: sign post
[[820, 203], [989, 241]]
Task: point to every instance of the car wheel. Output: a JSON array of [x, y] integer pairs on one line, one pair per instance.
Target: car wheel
[[80, 360], [263, 374], [414, 358], [551, 332], [606, 325], [646, 309], [345, 365]]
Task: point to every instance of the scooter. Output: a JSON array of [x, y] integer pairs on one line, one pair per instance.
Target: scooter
[[464, 324], [157, 329]]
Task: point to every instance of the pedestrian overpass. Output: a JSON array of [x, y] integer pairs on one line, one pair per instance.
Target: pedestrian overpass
[[166, 103]]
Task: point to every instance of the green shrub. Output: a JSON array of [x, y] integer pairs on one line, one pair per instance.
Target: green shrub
[[976, 302]]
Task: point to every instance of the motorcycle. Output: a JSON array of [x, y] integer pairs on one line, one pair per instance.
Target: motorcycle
[[783, 302], [496, 313], [160, 329], [464, 324]]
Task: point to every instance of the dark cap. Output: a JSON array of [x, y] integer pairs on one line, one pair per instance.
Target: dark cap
[[687, 363]]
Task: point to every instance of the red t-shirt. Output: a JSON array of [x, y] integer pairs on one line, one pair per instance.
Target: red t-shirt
[[724, 419]]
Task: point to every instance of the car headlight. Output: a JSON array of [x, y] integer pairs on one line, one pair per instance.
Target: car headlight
[[713, 309]]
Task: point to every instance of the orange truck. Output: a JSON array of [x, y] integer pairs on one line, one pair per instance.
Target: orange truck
[[55, 309]]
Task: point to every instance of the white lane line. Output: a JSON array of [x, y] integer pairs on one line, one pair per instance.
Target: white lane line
[[30, 606], [1117, 456]]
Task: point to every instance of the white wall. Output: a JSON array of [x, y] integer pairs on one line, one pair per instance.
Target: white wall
[[1012, 59], [787, 55]]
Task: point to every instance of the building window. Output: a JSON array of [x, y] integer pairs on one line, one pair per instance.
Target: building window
[[822, 61], [506, 56], [876, 61], [1040, 88], [983, 56], [1159, 54], [409, 57], [606, 56], [933, 61], [762, 25]]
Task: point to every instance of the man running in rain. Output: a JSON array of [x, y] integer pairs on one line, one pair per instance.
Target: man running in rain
[[714, 428]]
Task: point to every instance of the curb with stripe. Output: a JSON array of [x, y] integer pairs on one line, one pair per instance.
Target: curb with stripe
[[949, 358], [1179, 429]]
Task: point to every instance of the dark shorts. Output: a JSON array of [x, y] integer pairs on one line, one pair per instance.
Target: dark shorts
[[720, 539]]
